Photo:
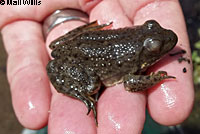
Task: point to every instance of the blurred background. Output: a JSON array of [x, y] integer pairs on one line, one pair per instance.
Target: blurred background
[[191, 9]]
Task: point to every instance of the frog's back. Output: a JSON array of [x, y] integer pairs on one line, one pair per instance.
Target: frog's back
[[109, 52]]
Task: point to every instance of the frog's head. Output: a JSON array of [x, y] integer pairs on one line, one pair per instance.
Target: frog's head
[[157, 42]]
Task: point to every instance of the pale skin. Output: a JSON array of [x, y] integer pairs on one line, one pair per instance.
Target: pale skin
[[119, 111]]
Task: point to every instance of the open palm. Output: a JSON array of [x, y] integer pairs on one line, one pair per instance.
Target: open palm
[[119, 111]]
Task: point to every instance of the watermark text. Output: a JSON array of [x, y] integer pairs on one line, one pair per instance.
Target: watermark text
[[20, 2]]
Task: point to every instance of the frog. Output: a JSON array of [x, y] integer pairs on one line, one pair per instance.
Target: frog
[[92, 56]]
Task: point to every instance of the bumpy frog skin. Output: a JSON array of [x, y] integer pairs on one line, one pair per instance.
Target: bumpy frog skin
[[89, 56]]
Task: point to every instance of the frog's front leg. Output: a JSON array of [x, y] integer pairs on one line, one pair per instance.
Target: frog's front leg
[[135, 83]]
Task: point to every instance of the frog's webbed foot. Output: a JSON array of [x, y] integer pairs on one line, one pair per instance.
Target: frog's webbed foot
[[90, 104], [135, 83], [93, 26]]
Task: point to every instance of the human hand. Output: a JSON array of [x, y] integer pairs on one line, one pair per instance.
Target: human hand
[[118, 111]]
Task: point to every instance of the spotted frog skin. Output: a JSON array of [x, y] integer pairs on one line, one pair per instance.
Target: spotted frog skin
[[90, 56]]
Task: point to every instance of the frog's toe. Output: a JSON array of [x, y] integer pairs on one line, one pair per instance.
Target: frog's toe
[[92, 106], [163, 75], [94, 112], [88, 107]]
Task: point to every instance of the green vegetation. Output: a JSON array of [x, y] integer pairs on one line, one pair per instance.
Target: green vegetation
[[192, 123], [196, 61]]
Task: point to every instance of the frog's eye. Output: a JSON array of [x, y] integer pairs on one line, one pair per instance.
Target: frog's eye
[[152, 45]]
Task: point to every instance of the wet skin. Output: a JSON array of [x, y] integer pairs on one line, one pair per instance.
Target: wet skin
[[89, 56]]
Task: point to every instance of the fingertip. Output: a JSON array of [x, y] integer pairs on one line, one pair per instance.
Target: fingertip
[[170, 104], [31, 99], [171, 101], [68, 115], [120, 111], [26, 72]]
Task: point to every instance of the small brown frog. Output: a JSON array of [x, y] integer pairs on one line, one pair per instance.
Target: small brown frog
[[89, 56]]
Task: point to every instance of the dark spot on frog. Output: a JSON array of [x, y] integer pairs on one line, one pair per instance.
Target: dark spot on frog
[[184, 70], [90, 57]]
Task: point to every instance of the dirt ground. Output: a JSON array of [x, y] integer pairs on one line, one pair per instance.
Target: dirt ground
[[8, 121]]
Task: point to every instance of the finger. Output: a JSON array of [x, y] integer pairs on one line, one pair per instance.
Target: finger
[[40, 11], [27, 58], [118, 110], [171, 102], [68, 115]]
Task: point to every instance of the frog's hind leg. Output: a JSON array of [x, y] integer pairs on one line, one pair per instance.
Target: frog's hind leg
[[136, 83], [76, 81], [93, 26]]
